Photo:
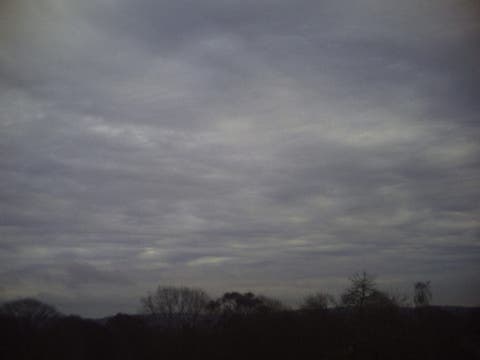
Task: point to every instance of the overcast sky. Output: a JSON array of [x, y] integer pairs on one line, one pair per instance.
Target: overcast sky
[[277, 146]]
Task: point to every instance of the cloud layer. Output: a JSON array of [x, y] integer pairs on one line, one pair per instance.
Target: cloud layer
[[276, 146]]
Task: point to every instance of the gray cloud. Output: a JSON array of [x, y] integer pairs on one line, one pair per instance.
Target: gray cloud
[[274, 146]]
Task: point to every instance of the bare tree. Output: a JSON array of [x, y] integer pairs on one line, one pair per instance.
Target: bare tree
[[361, 291], [176, 305], [422, 294], [318, 301]]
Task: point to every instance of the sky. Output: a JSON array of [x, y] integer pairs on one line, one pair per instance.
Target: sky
[[276, 146]]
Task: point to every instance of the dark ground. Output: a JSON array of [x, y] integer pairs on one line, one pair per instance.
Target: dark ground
[[394, 333]]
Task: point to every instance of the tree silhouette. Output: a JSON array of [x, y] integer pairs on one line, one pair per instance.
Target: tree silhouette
[[422, 294], [29, 311], [361, 291], [317, 301], [244, 304], [176, 305]]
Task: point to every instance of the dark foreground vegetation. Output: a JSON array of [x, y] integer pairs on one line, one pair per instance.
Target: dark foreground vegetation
[[184, 323]]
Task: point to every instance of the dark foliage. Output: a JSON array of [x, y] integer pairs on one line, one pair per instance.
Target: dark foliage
[[29, 313], [176, 306], [423, 294], [234, 303], [255, 328]]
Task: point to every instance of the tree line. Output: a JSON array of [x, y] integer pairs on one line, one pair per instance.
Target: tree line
[[185, 306], [364, 322]]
